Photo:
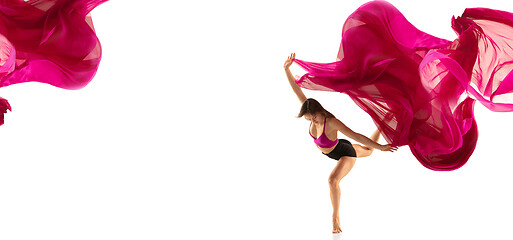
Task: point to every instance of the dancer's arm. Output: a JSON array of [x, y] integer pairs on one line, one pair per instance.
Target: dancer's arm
[[299, 93], [361, 138]]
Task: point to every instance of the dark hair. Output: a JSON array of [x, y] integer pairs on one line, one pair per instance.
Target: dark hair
[[311, 106]]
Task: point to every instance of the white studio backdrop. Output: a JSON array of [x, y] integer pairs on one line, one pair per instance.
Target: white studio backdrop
[[188, 131]]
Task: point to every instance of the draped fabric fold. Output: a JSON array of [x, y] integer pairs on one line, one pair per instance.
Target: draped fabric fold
[[420, 90], [47, 41]]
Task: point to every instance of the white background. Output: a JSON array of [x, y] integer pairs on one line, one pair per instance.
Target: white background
[[188, 131]]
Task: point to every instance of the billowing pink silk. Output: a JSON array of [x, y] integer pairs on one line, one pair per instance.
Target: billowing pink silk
[[417, 87], [48, 41]]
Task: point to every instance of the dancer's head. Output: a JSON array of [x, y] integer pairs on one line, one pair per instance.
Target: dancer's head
[[313, 111]]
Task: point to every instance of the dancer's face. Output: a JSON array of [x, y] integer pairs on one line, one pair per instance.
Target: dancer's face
[[315, 118]]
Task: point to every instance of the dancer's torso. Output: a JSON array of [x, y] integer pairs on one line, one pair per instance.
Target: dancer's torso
[[316, 131]]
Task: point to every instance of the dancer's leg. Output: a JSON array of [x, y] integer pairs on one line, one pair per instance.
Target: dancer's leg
[[344, 165], [364, 151], [375, 135]]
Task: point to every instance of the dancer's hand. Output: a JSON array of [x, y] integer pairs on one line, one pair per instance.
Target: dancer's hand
[[289, 61], [387, 148]]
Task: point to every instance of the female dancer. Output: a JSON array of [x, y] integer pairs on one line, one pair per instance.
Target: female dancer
[[324, 127]]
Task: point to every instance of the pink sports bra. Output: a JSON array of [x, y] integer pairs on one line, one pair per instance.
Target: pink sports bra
[[323, 141]]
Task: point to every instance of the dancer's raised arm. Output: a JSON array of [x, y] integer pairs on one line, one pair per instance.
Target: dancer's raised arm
[[299, 93]]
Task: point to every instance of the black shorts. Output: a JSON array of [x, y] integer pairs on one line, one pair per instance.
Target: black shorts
[[343, 148]]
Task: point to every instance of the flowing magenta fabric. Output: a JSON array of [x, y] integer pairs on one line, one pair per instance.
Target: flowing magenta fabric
[[420, 90], [47, 41]]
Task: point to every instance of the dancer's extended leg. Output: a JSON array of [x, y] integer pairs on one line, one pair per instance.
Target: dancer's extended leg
[[344, 165], [375, 135], [364, 151]]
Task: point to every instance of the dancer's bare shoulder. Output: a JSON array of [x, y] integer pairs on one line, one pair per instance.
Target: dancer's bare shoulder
[[336, 124]]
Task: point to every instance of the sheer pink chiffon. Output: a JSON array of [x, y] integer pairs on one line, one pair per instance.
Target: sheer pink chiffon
[[47, 41], [420, 90]]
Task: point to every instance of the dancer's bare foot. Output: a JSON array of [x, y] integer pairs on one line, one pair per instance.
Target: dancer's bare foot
[[336, 225]]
